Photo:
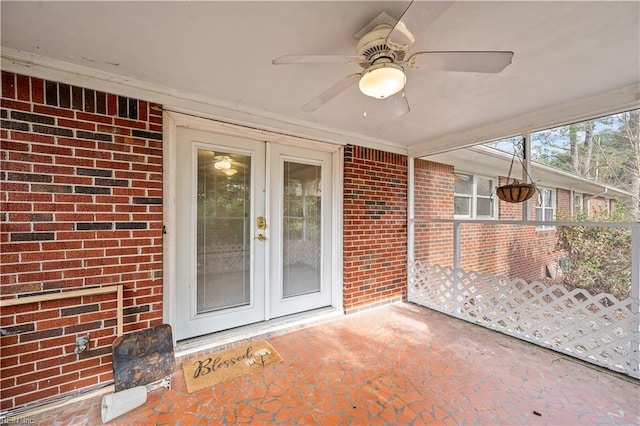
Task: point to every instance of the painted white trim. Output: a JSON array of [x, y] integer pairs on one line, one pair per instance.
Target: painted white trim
[[221, 127], [411, 182], [338, 230], [526, 172], [47, 68], [31, 64], [287, 305], [611, 102], [554, 208], [572, 202], [473, 214], [169, 278], [173, 120], [268, 171], [493, 159]]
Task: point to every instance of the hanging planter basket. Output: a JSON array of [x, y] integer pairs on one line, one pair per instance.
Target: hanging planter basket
[[517, 192]]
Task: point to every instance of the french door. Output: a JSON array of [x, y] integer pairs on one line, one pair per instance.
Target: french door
[[253, 222]]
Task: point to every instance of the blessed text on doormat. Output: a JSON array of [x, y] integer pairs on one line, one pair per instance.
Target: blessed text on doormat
[[220, 367]]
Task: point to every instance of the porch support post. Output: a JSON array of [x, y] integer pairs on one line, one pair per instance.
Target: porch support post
[[410, 221], [526, 164], [456, 244], [635, 299]]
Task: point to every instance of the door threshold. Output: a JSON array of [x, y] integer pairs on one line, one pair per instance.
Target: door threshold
[[211, 342]]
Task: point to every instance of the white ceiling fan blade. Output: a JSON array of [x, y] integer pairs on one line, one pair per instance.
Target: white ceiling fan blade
[[397, 105], [416, 18], [331, 93], [461, 61], [318, 59]]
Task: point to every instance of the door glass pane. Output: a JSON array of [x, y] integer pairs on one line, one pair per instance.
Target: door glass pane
[[301, 229], [223, 233]]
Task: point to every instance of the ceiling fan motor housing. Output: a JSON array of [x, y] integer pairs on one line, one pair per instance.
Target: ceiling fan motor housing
[[374, 47]]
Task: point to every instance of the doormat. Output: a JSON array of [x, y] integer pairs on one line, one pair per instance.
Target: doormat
[[223, 366]]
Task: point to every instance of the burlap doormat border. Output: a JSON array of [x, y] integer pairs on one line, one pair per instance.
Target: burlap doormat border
[[209, 370]]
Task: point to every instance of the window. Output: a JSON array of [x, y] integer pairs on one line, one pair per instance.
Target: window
[[472, 197], [578, 203], [545, 207]]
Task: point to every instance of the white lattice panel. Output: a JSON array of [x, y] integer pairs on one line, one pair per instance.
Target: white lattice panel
[[299, 251], [598, 329]]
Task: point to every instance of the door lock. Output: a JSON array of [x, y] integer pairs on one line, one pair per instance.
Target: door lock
[[261, 222], [261, 237]]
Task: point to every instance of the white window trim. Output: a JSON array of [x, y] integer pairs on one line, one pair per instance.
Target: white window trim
[[575, 194], [554, 195], [474, 197]]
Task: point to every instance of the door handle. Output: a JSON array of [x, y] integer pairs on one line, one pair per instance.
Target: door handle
[[260, 237]]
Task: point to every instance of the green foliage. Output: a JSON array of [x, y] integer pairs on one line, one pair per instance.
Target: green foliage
[[599, 257], [605, 149]]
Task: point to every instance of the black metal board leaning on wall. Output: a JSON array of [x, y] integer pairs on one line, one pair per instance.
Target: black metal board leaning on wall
[[142, 357]]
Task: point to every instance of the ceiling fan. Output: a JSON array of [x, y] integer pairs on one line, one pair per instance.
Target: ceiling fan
[[382, 51]]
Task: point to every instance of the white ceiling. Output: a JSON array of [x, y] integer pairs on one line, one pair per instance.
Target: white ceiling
[[221, 53]]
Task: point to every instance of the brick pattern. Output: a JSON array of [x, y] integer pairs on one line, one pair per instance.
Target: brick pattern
[[433, 199], [375, 227], [599, 206], [510, 250], [82, 207]]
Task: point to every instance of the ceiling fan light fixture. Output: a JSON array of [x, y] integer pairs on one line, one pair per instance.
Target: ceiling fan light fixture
[[222, 163], [382, 80]]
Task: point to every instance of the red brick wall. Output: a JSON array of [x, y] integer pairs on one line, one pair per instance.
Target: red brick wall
[[563, 203], [598, 207], [511, 250], [433, 199], [375, 227], [81, 207]]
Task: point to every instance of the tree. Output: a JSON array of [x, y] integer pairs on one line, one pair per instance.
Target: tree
[[605, 149], [631, 126], [599, 257]]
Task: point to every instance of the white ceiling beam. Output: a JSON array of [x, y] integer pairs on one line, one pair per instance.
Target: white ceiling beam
[[611, 102]]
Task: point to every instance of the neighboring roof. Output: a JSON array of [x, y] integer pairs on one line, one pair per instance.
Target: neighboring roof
[[487, 161]]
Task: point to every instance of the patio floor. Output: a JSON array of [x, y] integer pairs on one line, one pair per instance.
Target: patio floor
[[397, 364]]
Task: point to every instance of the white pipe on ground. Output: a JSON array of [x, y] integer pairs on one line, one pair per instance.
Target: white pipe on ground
[[118, 403]]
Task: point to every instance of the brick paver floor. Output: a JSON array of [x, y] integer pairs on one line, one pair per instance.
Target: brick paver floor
[[398, 364]]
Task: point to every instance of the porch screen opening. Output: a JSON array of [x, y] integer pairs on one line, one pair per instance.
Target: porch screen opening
[[301, 229], [223, 233]]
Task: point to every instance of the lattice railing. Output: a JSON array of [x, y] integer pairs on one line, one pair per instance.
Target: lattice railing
[[596, 328]]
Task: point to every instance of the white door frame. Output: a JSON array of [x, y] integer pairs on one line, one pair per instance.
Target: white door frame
[[173, 120], [279, 305]]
